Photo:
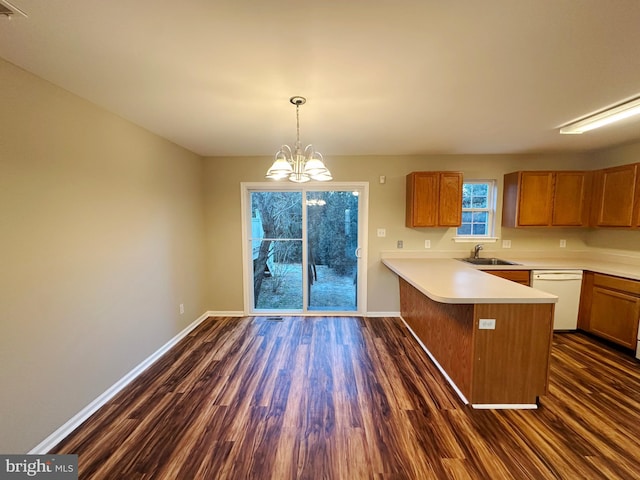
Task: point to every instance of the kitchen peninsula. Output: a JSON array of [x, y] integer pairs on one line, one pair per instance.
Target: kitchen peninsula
[[489, 336]]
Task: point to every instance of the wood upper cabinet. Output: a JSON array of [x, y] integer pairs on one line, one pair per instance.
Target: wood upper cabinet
[[434, 199], [616, 202], [570, 199], [545, 198], [527, 199], [610, 308]]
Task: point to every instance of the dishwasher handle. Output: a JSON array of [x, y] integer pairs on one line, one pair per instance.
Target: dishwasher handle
[[557, 276]]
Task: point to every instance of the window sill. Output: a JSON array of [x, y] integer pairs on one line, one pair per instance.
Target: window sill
[[470, 239]]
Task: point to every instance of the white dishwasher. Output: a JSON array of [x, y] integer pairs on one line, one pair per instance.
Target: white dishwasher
[[566, 285]]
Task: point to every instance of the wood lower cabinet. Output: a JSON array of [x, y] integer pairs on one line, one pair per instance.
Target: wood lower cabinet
[[614, 316], [519, 276], [546, 199], [434, 199], [610, 308]]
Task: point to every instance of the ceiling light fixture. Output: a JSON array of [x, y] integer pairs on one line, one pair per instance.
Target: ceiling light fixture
[[295, 164], [8, 9], [614, 114]]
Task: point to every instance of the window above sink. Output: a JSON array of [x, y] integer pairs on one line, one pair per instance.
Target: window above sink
[[478, 210]]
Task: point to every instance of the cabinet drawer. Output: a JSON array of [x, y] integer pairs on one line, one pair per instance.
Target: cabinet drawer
[[518, 276], [617, 283]]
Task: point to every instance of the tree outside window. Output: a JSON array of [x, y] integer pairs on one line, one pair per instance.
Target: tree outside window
[[478, 206]]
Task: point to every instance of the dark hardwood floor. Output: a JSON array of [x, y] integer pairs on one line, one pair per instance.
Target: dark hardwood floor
[[353, 398]]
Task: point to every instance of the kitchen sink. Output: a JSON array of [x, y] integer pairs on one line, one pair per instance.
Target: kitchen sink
[[487, 261]]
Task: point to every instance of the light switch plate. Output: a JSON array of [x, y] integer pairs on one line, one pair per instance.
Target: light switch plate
[[427, 244], [506, 243], [563, 243]]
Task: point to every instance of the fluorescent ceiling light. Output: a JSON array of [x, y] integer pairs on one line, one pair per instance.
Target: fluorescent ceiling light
[[12, 9], [606, 117]]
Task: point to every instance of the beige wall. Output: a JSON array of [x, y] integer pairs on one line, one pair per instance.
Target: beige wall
[[386, 210], [106, 228], [101, 238]]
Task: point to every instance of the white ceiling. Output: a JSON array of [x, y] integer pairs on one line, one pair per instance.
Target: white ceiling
[[380, 76]]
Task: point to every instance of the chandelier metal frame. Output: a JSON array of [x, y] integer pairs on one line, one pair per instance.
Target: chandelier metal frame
[[295, 164]]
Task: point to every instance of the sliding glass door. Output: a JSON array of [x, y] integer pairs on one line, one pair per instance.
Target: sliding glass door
[[304, 248]]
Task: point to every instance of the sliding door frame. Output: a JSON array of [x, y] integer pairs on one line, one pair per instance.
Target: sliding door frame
[[247, 264]]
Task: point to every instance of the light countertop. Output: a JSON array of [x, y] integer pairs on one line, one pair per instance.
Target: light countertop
[[446, 280], [619, 269]]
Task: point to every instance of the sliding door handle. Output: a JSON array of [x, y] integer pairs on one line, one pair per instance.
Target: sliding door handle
[[358, 252]]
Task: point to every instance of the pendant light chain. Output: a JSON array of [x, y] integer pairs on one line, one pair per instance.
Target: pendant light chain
[[298, 146]]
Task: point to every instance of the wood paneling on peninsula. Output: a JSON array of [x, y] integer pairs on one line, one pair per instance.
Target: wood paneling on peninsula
[[506, 365]]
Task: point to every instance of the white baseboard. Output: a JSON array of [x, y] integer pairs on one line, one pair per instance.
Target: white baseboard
[[382, 314], [62, 432], [226, 314], [56, 437], [504, 406], [313, 314]]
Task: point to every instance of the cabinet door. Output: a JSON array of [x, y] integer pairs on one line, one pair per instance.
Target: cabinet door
[[614, 316], [534, 204], [422, 199], [450, 209], [615, 196], [586, 297], [636, 204], [569, 199]]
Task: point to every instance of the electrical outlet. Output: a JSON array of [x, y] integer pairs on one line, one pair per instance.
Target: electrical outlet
[[427, 244], [382, 232], [506, 243], [563, 243], [487, 324], [400, 244], [181, 308], [383, 179]]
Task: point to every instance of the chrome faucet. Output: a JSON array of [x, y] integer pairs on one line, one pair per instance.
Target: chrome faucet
[[476, 250]]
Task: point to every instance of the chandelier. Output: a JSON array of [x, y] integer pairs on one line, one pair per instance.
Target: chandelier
[[296, 164]]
